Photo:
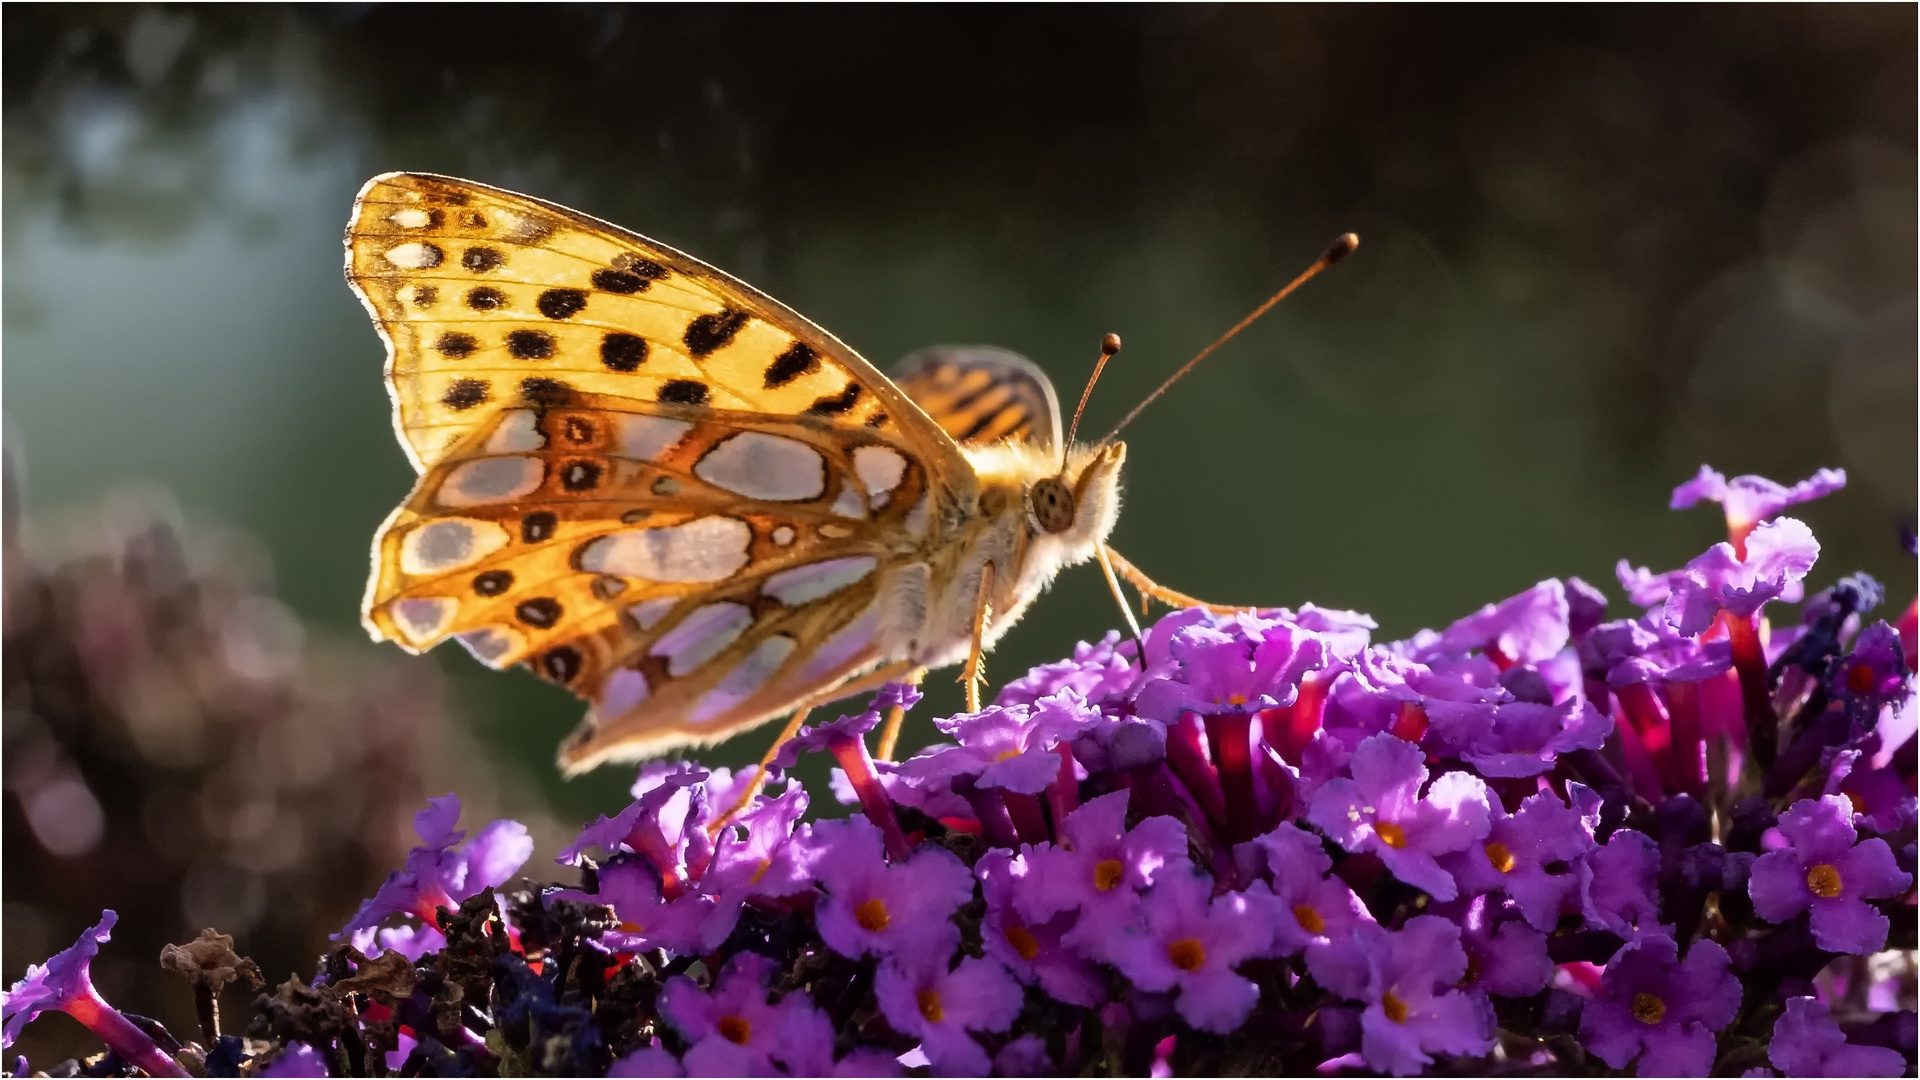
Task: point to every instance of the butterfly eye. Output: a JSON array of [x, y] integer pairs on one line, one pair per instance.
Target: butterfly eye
[[1052, 503]]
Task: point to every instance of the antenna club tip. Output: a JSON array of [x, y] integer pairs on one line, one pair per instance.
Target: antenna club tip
[[1342, 247], [1110, 345]]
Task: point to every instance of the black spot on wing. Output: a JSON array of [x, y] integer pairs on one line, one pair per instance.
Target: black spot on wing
[[578, 430], [622, 351], [707, 333], [486, 298], [545, 393], [837, 404], [878, 419], [538, 526], [640, 267], [620, 281], [530, 344], [684, 392], [464, 394], [561, 303], [799, 359], [455, 345], [561, 664], [540, 612], [482, 259], [425, 296], [580, 476], [493, 582]]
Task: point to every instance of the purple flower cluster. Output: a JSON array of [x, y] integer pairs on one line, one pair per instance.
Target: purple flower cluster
[[1537, 840]]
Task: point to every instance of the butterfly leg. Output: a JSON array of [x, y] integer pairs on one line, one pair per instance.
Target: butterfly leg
[[890, 733], [873, 680], [1154, 590], [1113, 585], [975, 672]]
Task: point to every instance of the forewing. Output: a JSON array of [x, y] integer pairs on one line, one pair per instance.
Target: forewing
[[980, 394], [689, 570], [487, 298]]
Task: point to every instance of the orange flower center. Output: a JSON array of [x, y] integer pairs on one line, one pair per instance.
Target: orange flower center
[[1859, 804], [1309, 919], [1500, 856], [1395, 1009], [735, 1029], [1107, 873], [1648, 1009], [929, 1001], [1860, 678], [1390, 834], [1023, 942], [633, 928], [1824, 880], [873, 915], [1187, 954]]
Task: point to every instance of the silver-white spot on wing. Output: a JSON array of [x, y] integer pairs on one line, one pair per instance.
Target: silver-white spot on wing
[[449, 544], [805, 584], [916, 521], [410, 218], [517, 433], [490, 644], [704, 549], [748, 676], [414, 256], [623, 689], [843, 646], [645, 438], [424, 618], [783, 535], [849, 503], [762, 466], [701, 636], [491, 480], [880, 469], [648, 613]]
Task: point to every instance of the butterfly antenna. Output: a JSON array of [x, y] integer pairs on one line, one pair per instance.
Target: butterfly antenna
[[1339, 249], [1109, 346]]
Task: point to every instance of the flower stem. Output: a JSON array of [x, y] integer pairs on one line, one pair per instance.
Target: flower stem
[[1229, 737], [1189, 762], [134, 1046], [995, 824], [851, 753], [1028, 820], [1750, 661], [1063, 796], [1688, 760]]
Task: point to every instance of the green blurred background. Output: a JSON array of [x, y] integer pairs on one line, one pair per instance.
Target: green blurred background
[[1600, 246]]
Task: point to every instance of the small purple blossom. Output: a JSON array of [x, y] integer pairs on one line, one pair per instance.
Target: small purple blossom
[[732, 1030], [1618, 886], [1807, 1042], [655, 824], [1406, 979], [1099, 868], [1872, 676], [1529, 856], [757, 855], [872, 906], [854, 727], [923, 999], [1779, 554], [1505, 956], [1246, 664], [1189, 941], [1306, 907], [437, 875], [1034, 952], [1523, 629], [1749, 500], [65, 984], [1100, 673], [296, 1059], [1527, 739], [691, 922], [1006, 746], [1663, 1011], [1381, 810], [1825, 870]]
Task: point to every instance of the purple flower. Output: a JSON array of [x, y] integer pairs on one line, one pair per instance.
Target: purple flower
[[647, 1061], [1381, 810], [1099, 673], [436, 875], [939, 1007], [757, 855], [1524, 629], [1529, 856], [1024, 1056], [733, 1031], [1244, 665], [1306, 907], [1006, 746], [1505, 956], [1617, 885], [1099, 868], [1191, 943], [1630, 651], [1749, 500], [1406, 981], [296, 1059], [65, 984], [887, 909], [825, 736], [1873, 675], [1526, 738], [1034, 952], [1649, 1001], [1807, 1042], [1825, 870], [660, 823], [1779, 554], [691, 922]]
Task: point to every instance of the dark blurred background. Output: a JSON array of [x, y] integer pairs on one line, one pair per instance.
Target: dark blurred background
[[1601, 246]]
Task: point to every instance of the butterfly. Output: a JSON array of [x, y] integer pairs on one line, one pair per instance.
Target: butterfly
[[662, 489]]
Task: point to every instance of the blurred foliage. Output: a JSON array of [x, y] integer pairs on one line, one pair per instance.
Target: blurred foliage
[[1600, 246]]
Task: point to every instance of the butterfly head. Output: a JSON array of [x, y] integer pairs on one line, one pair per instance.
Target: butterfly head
[[1079, 504]]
